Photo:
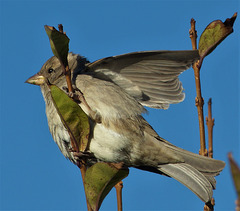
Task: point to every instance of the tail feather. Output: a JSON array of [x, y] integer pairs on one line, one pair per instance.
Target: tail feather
[[212, 180], [191, 178], [207, 166], [197, 172]]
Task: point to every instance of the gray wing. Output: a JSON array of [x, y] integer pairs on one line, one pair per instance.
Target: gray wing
[[151, 77]]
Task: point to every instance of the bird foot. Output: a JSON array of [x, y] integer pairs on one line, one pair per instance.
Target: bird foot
[[75, 95], [78, 97], [78, 156]]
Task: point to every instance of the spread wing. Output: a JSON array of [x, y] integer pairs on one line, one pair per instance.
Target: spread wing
[[151, 77]]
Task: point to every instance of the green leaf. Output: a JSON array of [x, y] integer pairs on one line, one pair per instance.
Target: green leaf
[[59, 44], [73, 118], [214, 34], [235, 173], [99, 180]]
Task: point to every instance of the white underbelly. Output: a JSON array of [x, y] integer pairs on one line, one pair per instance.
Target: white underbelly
[[109, 146]]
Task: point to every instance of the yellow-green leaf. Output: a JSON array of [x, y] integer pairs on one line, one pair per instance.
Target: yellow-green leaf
[[214, 34], [59, 44], [73, 118], [235, 173], [99, 180]]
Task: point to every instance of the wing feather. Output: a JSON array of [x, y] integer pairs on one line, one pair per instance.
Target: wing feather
[[149, 76]]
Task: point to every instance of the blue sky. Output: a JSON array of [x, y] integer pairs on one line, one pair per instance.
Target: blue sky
[[34, 175]]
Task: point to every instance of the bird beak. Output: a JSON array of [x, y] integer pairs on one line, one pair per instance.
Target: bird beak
[[36, 80]]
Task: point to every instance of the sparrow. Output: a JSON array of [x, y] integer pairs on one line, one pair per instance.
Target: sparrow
[[116, 90]]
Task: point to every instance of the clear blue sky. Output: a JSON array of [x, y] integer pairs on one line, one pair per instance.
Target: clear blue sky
[[34, 174]]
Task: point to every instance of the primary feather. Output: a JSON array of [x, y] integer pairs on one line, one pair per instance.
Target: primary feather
[[149, 76]]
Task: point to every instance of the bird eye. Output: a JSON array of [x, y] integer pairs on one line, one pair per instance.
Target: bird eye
[[50, 70]]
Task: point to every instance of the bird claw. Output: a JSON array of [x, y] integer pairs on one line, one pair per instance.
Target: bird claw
[[78, 97], [78, 156], [64, 88]]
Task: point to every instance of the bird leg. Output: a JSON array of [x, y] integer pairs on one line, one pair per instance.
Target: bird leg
[[78, 97], [82, 155], [79, 156]]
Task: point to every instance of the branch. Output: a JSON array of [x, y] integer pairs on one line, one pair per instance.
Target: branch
[[67, 73], [83, 170], [118, 188], [66, 70], [199, 100]]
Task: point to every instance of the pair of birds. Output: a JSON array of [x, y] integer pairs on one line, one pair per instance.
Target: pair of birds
[[116, 89]]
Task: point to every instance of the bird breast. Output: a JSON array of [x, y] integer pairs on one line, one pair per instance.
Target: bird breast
[[112, 139]]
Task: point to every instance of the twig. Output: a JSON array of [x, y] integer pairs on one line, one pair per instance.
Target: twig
[[67, 73], [210, 124], [83, 170], [193, 34], [66, 70], [199, 100], [209, 206], [119, 187], [60, 28], [75, 147], [82, 166]]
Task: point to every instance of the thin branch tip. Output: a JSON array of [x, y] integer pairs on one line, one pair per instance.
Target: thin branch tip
[[193, 34], [60, 28], [192, 21], [230, 21], [230, 155], [210, 101]]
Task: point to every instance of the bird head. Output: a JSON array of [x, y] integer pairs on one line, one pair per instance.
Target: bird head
[[52, 70]]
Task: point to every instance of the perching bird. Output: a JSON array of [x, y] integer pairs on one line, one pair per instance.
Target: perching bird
[[116, 89]]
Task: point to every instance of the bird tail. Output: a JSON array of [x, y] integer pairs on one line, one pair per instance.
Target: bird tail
[[196, 173], [191, 178]]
